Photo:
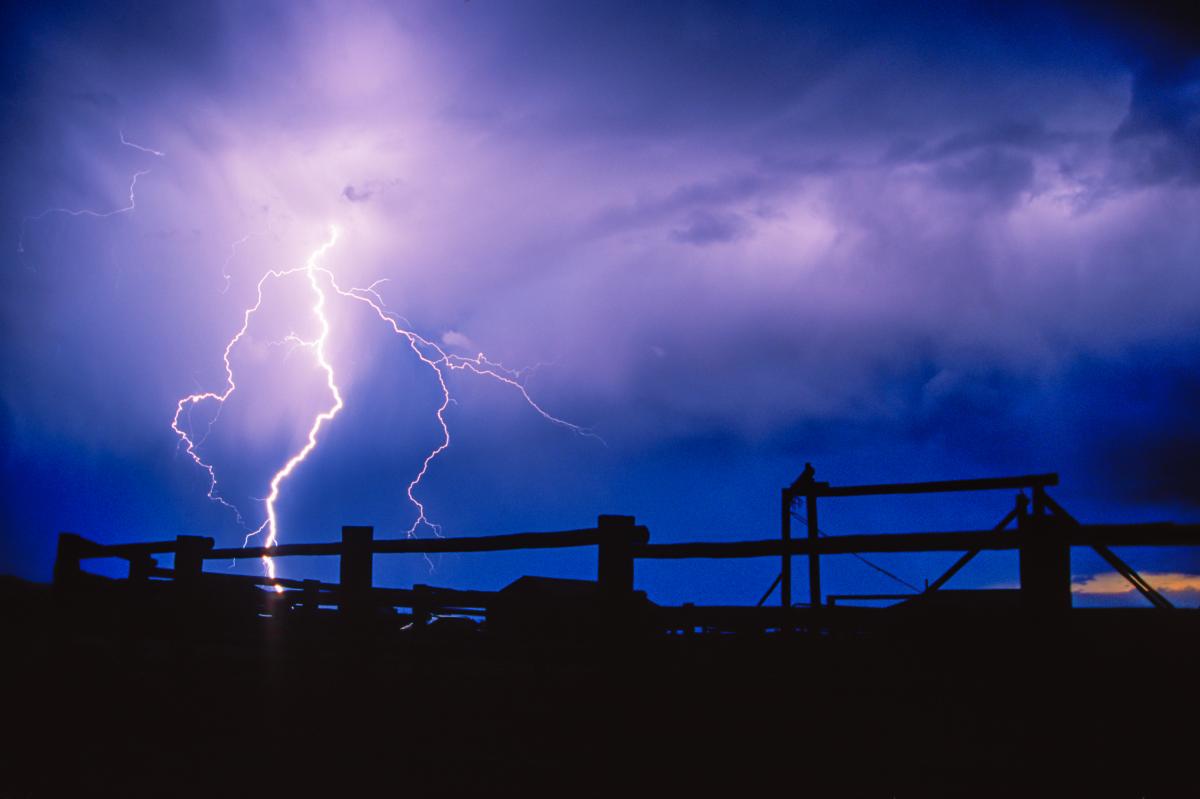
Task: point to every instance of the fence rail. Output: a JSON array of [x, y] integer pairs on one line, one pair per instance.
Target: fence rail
[[1043, 537]]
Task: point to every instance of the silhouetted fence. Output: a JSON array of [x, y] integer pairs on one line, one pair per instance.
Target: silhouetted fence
[[1043, 536]]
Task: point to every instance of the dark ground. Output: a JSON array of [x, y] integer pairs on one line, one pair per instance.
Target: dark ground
[[97, 703]]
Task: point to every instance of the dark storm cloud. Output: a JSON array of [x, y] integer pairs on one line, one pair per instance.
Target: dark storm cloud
[[1002, 177], [1147, 403], [1159, 140]]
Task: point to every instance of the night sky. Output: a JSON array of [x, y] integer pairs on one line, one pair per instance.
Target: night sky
[[900, 243]]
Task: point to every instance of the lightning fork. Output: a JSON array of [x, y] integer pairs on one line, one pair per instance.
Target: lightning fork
[[132, 205], [428, 352]]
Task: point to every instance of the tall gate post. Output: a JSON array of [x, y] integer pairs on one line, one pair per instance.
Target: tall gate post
[[814, 560], [807, 487], [785, 533], [1045, 559], [355, 570]]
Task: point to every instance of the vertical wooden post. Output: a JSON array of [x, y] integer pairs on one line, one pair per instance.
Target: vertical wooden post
[[814, 560], [66, 562], [311, 597], [420, 607], [1045, 560], [189, 573], [785, 533], [189, 558], [1039, 502], [355, 570], [140, 567], [614, 569]]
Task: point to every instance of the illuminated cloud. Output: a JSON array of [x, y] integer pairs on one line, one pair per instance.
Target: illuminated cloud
[[1112, 583], [459, 341]]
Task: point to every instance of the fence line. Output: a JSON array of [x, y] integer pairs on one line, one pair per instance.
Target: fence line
[[1043, 538]]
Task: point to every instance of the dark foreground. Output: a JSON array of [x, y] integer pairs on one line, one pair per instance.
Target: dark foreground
[[1100, 703]]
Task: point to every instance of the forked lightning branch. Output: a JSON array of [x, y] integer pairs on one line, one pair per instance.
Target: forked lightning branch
[[322, 282]]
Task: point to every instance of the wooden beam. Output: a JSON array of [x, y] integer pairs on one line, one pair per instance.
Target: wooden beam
[[833, 599], [970, 555], [132, 551], [1125, 570], [589, 536], [1122, 568], [497, 543], [936, 486], [277, 551], [765, 596], [1157, 534], [833, 545], [814, 552], [785, 534], [355, 570]]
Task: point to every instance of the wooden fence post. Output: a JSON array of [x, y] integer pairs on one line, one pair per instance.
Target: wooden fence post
[[355, 570], [188, 576], [140, 568], [614, 569], [311, 602], [189, 558], [66, 562]]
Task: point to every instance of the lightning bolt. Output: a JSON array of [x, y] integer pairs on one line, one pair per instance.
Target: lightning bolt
[[429, 353], [233, 249], [186, 404], [143, 148], [438, 360], [130, 206], [318, 348]]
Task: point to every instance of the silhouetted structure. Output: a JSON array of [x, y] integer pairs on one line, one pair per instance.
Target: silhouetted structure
[[1043, 536], [586, 687]]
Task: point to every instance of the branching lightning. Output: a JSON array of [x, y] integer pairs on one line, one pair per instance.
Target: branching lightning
[[318, 277], [130, 206], [436, 358], [141, 147], [233, 249], [429, 353], [319, 280]]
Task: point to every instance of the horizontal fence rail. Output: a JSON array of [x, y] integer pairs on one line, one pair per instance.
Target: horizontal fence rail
[[938, 486], [1043, 538], [485, 543], [1154, 534]]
